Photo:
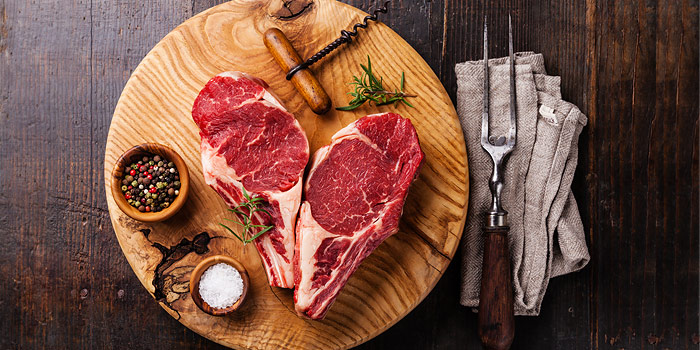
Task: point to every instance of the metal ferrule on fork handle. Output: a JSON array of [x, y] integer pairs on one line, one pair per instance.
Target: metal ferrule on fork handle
[[497, 219]]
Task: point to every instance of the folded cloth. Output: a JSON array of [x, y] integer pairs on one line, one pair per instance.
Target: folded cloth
[[546, 236]]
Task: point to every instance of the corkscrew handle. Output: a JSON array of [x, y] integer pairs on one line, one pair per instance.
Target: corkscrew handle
[[305, 82]]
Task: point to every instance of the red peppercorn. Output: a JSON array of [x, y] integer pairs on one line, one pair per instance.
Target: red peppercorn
[[153, 190], [130, 187], [132, 172], [127, 196], [148, 208], [150, 167], [149, 176]]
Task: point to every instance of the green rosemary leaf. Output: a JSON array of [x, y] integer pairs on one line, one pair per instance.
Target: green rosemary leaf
[[364, 68], [350, 107], [233, 232], [239, 212], [262, 210], [234, 221], [268, 228]]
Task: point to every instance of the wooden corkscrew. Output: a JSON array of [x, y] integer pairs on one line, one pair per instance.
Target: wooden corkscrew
[[297, 71]]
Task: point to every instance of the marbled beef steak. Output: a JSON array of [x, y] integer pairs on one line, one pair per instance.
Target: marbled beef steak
[[249, 140], [355, 194]]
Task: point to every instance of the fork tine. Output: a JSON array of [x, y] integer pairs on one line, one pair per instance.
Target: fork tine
[[485, 112], [513, 121]]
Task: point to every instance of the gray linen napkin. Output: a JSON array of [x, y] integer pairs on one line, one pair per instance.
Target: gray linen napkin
[[546, 233]]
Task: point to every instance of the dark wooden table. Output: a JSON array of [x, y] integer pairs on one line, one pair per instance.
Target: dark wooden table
[[632, 67]]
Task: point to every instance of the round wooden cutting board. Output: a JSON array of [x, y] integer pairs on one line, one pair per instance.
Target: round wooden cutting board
[[155, 106]]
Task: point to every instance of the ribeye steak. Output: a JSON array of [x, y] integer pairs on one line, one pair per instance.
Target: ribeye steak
[[249, 140], [355, 194]]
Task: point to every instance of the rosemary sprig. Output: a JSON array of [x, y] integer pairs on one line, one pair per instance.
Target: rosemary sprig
[[252, 204], [369, 88]]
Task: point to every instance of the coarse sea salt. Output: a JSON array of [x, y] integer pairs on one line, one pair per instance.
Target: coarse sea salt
[[220, 286]]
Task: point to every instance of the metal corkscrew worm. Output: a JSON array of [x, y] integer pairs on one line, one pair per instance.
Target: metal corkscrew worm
[[345, 37]]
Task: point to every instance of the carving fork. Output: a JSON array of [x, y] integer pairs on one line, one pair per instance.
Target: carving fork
[[496, 324]]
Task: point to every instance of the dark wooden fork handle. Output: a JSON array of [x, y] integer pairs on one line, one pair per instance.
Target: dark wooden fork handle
[[496, 328]]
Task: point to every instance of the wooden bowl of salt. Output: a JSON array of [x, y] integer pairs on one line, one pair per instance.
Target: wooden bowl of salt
[[219, 285]]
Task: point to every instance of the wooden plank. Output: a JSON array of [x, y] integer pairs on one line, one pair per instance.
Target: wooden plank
[[647, 118], [43, 210]]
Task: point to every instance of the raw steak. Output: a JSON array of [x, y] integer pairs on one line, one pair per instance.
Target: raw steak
[[250, 141], [355, 193]]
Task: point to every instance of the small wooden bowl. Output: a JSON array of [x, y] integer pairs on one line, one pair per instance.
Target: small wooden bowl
[[197, 275], [134, 154]]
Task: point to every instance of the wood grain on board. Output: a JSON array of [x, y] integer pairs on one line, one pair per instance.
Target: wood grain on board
[[155, 106]]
